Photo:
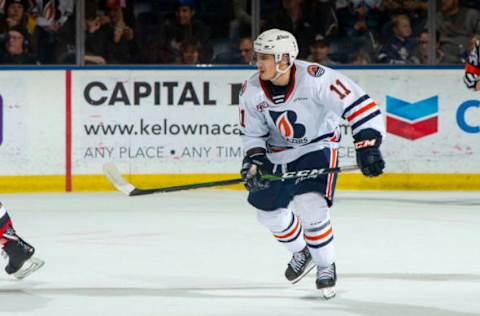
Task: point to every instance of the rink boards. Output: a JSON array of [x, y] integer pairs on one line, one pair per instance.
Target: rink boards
[[169, 126]]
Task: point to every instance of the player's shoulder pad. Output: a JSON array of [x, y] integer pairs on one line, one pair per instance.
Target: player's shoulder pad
[[251, 89], [310, 70]]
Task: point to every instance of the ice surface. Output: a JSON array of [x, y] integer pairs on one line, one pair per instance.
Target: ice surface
[[203, 253]]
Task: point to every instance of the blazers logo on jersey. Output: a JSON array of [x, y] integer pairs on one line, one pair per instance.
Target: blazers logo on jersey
[[315, 70], [286, 125], [412, 120]]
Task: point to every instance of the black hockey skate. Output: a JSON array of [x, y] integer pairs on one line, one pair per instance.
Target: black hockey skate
[[21, 262], [299, 266], [326, 280]]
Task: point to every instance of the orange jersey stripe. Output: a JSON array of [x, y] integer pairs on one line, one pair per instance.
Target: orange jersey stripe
[[325, 234], [290, 233], [333, 163], [362, 110]]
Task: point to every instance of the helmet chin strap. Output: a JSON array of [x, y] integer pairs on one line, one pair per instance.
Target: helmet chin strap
[[280, 72]]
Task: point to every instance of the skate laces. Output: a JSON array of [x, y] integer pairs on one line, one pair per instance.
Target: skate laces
[[298, 260], [326, 273]]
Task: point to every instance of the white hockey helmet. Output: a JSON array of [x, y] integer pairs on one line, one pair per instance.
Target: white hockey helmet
[[277, 42]]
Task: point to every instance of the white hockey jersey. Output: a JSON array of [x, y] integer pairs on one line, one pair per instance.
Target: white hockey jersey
[[308, 117]]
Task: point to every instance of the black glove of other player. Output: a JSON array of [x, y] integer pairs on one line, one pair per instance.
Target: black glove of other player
[[254, 165], [369, 158]]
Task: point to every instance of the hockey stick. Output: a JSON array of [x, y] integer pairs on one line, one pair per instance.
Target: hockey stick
[[114, 176]]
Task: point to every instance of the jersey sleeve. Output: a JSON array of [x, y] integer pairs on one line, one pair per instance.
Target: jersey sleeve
[[253, 127], [344, 97], [472, 68]]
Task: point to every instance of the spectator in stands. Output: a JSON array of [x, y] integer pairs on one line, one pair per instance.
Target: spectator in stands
[[456, 25], [15, 14], [153, 47], [398, 49], [361, 58], [127, 8], [322, 13], [242, 54], [359, 27], [16, 50], [416, 10], [217, 14], [359, 17], [122, 37], [319, 51], [52, 14], [420, 55], [55, 31], [104, 17], [240, 25], [190, 52], [304, 22], [186, 28], [246, 50], [97, 39]]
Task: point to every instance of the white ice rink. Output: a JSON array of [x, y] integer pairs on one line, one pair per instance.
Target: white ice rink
[[203, 253]]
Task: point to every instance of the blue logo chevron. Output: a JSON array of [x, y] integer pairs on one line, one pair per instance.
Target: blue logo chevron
[[412, 111]]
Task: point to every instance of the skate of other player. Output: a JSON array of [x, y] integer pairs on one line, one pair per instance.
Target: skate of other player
[[21, 262], [290, 112]]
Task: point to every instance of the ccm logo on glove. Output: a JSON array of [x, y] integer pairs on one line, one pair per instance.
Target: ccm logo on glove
[[365, 143]]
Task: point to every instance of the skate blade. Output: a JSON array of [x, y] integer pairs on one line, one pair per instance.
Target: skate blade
[[30, 266], [328, 293], [305, 272]]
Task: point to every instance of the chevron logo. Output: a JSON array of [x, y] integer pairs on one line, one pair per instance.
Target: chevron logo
[[412, 120]]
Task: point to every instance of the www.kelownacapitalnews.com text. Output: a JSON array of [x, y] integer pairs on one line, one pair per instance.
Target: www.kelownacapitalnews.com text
[[164, 127]]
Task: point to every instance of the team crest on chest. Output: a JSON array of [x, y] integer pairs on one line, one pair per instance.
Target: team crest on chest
[[287, 126]]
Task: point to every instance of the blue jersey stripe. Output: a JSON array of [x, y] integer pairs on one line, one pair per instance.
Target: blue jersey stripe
[[365, 119], [289, 225], [322, 244], [294, 238]]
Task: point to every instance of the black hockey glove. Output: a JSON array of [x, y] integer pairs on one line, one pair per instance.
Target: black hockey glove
[[254, 165], [369, 158]]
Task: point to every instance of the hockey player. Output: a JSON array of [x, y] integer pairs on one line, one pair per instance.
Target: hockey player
[[472, 68], [19, 252], [290, 113]]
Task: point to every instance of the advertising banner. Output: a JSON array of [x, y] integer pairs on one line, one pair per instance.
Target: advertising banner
[[157, 121], [184, 122], [187, 121], [432, 120], [32, 123]]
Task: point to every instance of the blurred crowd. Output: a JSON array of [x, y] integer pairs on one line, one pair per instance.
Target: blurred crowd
[[219, 31]]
